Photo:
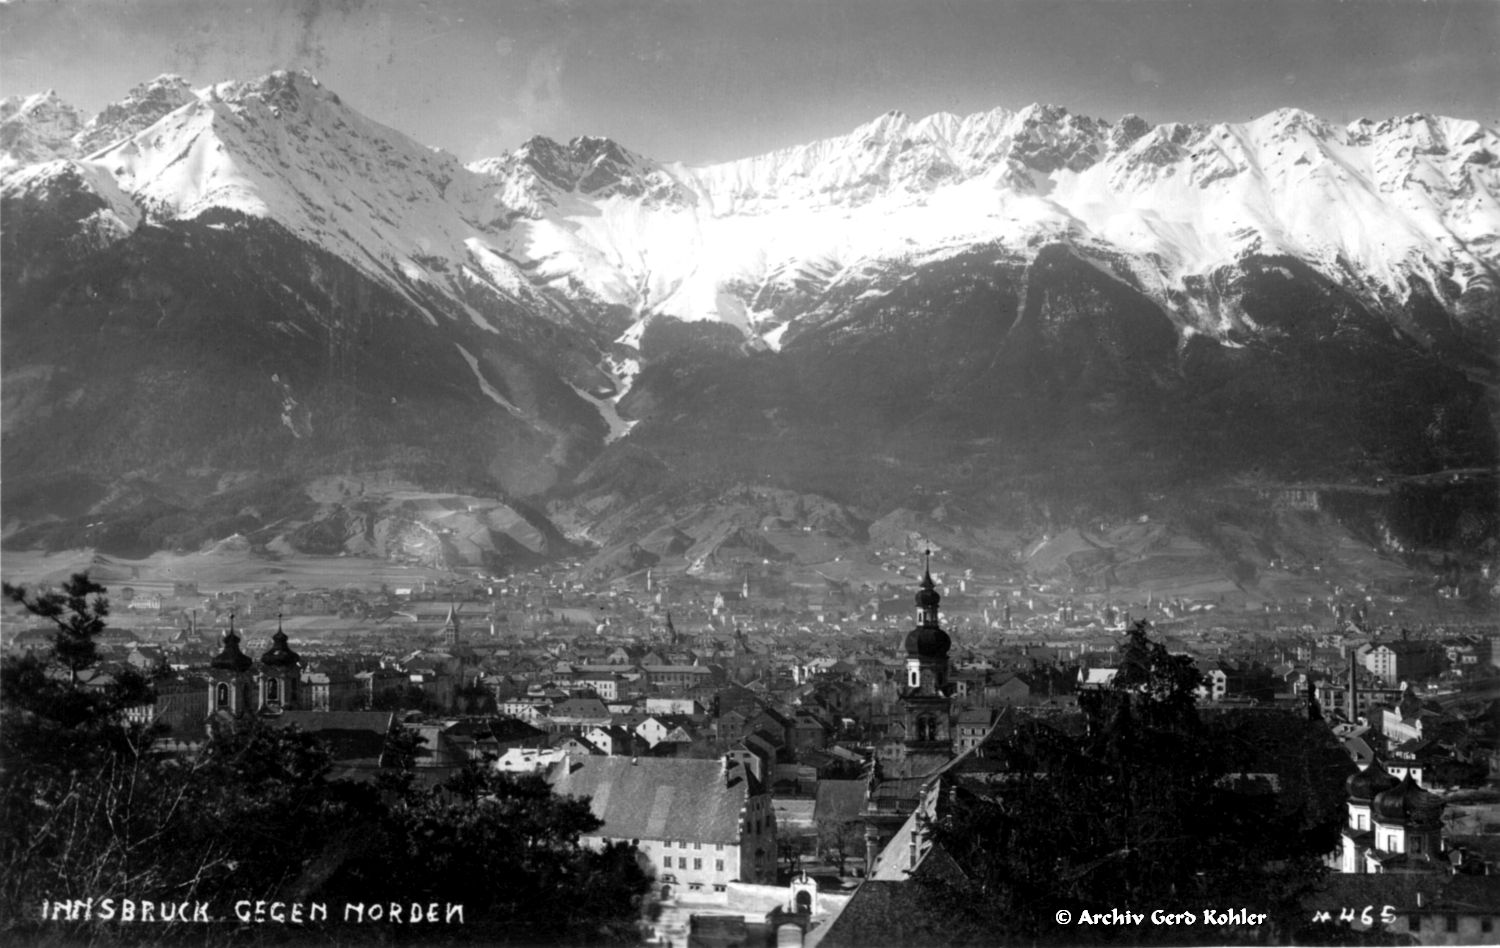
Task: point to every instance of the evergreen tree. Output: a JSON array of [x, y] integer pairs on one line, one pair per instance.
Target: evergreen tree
[[77, 610], [89, 809]]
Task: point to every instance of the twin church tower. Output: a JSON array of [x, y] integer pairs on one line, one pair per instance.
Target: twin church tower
[[238, 685]]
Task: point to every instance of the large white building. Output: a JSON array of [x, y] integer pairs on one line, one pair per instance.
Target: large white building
[[1404, 660], [702, 823]]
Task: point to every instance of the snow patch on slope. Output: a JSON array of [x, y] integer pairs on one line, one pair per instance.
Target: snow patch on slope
[[484, 383], [608, 410]]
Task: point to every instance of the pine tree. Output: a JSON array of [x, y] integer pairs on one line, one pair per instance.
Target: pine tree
[[77, 610]]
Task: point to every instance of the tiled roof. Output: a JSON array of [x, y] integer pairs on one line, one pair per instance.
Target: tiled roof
[[660, 798], [581, 708], [890, 913]]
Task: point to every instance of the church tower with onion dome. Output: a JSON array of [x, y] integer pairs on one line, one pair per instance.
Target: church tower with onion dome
[[1359, 830], [230, 681], [280, 679], [926, 697], [1408, 830], [1394, 826]]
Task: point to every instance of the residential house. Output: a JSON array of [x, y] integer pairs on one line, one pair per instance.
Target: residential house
[[970, 727], [701, 823], [1405, 660], [578, 713]]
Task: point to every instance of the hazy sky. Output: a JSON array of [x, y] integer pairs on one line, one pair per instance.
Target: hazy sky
[[704, 80]]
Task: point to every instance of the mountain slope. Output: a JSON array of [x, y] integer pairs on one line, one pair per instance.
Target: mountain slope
[[1042, 316]]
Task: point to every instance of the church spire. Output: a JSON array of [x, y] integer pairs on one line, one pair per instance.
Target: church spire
[[927, 596], [231, 658], [280, 654], [451, 634]]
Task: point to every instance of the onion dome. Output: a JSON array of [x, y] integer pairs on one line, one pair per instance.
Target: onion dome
[[928, 640], [1374, 779], [280, 655], [927, 596], [231, 658], [1408, 804]]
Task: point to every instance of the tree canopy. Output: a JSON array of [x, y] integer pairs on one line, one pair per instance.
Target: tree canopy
[[1150, 806], [91, 808]]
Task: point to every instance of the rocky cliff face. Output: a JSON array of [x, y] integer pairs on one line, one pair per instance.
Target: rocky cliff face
[[1043, 315]]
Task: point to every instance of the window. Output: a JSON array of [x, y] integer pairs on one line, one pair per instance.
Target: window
[[719, 847], [719, 867], [1487, 924], [1452, 921], [697, 845], [720, 887], [1414, 923], [681, 862], [697, 864], [221, 697]]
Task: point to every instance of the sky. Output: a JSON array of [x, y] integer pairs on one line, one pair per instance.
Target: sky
[[710, 80]]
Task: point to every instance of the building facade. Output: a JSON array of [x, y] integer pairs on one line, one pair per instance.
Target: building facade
[[702, 823]]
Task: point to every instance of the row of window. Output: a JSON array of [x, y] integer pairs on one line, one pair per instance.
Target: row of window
[[682, 844], [682, 863], [692, 886]]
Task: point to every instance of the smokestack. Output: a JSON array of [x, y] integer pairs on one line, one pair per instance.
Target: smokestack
[[1352, 695]]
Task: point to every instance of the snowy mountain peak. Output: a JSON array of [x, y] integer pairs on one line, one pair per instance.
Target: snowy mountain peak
[[1127, 131], [282, 90], [535, 176], [139, 109], [892, 126], [588, 165], [36, 128]]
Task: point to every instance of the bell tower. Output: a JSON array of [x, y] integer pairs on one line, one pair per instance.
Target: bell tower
[[280, 678], [926, 698], [452, 635], [229, 679]]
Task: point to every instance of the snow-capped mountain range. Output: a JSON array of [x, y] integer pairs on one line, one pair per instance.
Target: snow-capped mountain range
[[1373, 205], [540, 274]]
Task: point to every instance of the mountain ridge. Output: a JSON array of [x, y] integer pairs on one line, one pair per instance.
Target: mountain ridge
[[593, 323]]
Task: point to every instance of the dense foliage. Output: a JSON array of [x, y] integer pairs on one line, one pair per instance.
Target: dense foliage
[[90, 809], [1150, 808]]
